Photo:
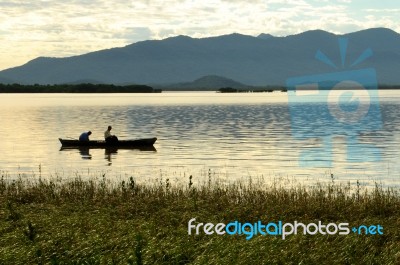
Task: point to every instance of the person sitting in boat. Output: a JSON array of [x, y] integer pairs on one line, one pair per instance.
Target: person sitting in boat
[[109, 137], [85, 136]]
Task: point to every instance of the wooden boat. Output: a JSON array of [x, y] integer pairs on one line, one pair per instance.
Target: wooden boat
[[147, 142], [108, 149]]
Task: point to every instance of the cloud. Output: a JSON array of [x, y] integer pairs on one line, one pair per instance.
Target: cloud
[[383, 10], [63, 28]]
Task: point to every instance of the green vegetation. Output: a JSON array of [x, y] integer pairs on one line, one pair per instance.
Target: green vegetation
[[235, 90], [109, 88], [101, 222], [78, 88], [389, 87]]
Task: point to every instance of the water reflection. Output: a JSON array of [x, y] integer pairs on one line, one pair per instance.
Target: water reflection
[[109, 152], [85, 153]]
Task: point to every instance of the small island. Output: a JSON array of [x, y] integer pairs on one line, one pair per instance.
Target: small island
[[251, 90]]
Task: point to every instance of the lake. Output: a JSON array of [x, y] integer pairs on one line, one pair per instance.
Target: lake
[[229, 137]]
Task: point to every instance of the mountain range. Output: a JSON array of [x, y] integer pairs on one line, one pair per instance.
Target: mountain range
[[236, 59]]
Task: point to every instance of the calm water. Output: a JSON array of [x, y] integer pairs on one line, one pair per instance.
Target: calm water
[[234, 136]]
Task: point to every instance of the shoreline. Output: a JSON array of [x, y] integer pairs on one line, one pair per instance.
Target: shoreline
[[136, 88]]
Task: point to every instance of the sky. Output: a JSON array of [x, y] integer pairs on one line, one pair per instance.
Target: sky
[[61, 28]]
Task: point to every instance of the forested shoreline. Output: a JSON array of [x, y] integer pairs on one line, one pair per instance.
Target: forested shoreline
[[76, 88]]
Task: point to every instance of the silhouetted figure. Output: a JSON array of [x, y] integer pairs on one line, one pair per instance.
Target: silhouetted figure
[[109, 137], [85, 136]]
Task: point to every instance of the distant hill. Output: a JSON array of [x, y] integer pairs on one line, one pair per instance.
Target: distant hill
[[210, 82], [265, 36], [4, 80], [255, 61], [84, 81]]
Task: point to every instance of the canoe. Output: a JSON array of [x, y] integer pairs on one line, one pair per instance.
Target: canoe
[[108, 149], [147, 142]]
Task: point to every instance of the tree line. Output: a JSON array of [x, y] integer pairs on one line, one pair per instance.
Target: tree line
[[76, 88]]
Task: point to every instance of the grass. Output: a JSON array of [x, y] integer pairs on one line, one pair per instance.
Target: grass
[[102, 222]]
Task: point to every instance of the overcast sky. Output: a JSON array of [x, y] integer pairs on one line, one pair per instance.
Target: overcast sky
[[60, 28]]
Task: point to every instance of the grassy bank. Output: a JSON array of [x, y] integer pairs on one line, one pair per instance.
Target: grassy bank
[[100, 222]]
